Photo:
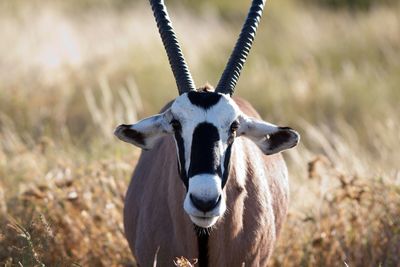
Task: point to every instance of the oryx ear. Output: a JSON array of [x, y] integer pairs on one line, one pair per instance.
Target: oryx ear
[[270, 138], [146, 132]]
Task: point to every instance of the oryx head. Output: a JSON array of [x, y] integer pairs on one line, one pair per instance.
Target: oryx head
[[205, 123]]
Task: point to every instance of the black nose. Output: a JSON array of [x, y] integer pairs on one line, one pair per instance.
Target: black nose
[[205, 205]]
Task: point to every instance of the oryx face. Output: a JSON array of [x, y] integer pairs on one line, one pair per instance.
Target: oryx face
[[205, 131], [205, 125]]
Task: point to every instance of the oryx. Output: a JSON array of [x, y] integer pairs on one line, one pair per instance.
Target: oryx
[[209, 161]]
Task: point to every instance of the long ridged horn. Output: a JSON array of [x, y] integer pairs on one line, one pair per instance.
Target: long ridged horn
[[242, 48], [176, 59]]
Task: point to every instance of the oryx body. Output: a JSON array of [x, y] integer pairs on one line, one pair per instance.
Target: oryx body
[[211, 183], [256, 197]]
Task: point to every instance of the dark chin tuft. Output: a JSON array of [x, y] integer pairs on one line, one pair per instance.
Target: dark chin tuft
[[200, 231]]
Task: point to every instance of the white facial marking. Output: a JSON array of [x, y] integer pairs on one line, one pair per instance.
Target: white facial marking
[[203, 222], [205, 187], [239, 163], [221, 115]]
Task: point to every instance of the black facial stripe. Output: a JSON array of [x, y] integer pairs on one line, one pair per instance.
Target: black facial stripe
[[181, 158], [204, 99], [227, 162], [204, 157]]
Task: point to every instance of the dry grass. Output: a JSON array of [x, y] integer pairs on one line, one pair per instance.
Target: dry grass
[[77, 71], [356, 222], [71, 215]]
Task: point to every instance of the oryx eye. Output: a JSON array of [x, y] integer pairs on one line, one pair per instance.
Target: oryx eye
[[176, 125], [234, 126]]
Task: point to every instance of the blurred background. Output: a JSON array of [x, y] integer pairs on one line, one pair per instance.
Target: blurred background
[[70, 71]]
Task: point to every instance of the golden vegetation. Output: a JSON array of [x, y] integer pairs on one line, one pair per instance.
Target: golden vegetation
[[72, 71], [356, 223]]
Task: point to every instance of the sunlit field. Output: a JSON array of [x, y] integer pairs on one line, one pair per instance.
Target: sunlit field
[[70, 71]]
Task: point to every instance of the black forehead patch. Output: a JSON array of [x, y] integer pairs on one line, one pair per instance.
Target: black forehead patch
[[204, 99]]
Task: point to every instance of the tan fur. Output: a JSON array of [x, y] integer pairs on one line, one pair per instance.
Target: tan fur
[[257, 205]]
